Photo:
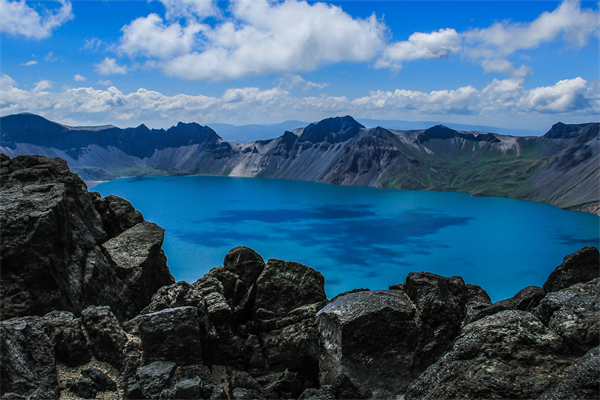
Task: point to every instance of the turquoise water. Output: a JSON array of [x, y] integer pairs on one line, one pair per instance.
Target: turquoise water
[[358, 237]]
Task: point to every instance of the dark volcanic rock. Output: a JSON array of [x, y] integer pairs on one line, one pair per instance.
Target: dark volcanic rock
[[283, 286], [27, 359], [179, 294], [154, 379], [101, 381], [525, 300], [241, 268], [66, 334], [573, 314], [138, 259], [368, 343], [49, 223], [50, 248], [107, 338], [507, 355], [581, 381], [441, 305], [579, 267], [82, 388], [172, 334], [117, 214]]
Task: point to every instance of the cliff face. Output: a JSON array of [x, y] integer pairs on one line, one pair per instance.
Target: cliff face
[[65, 249], [89, 309], [559, 168]]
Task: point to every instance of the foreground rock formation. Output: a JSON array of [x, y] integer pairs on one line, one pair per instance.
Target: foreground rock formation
[[90, 310]]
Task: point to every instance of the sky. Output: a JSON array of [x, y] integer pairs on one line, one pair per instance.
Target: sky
[[511, 64]]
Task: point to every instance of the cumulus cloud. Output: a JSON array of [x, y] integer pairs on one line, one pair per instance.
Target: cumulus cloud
[[440, 44], [42, 86], [490, 47], [105, 83], [30, 63], [150, 37], [79, 78], [20, 19], [199, 9], [293, 81], [259, 37], [110, 67], [567, 98], [568, 20]]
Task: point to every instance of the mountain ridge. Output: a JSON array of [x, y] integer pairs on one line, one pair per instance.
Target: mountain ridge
[[560, 167]]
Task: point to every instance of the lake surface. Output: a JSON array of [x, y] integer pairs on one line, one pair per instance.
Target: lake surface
[[358, 237]]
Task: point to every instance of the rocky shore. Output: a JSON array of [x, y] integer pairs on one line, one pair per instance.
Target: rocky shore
[[90, 310]]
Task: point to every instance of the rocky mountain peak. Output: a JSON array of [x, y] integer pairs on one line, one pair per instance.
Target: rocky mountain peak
[[332, 130], [569, 131], [437, 132]]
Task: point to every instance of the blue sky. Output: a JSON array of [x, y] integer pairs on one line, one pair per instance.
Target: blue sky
[[510, 64]]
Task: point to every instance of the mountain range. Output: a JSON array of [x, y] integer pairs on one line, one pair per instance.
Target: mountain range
[[561, 167]]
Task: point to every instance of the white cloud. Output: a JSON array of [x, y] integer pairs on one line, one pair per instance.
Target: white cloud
[[30, 63], [440, 44], [42, 86], [79, 78], [571, 98], [92, 44], [259, 38], [20, 19], [110, 67], [150, 37], [568, 19], [490, 47], [50, 57], [190, 9], [105, 83], [293, 81], [566, 95]]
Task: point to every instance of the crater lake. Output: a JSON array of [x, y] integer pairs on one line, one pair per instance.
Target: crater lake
[[358, 237]]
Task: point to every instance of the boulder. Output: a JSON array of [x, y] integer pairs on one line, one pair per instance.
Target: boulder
[[573, 314], [283, 286], [294, 347], [441, 303], [27, 360], [510, 354], [83, 388], [525, 300], [66, 334], [180, 294], [100, 381], [579, 267], [241, 268], [117, 214], [172, 334], [153, 379], [189, 389], [368, 340], [139, 261], [49, 224], [581, 380], [51, 251], [107, 338]]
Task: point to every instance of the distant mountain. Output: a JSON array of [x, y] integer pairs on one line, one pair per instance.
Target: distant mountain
[[250, 133], [411, 125], [560, 167]]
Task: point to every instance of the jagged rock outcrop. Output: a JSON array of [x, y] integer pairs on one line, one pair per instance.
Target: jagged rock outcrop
[[256, 330], [65, 249]]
